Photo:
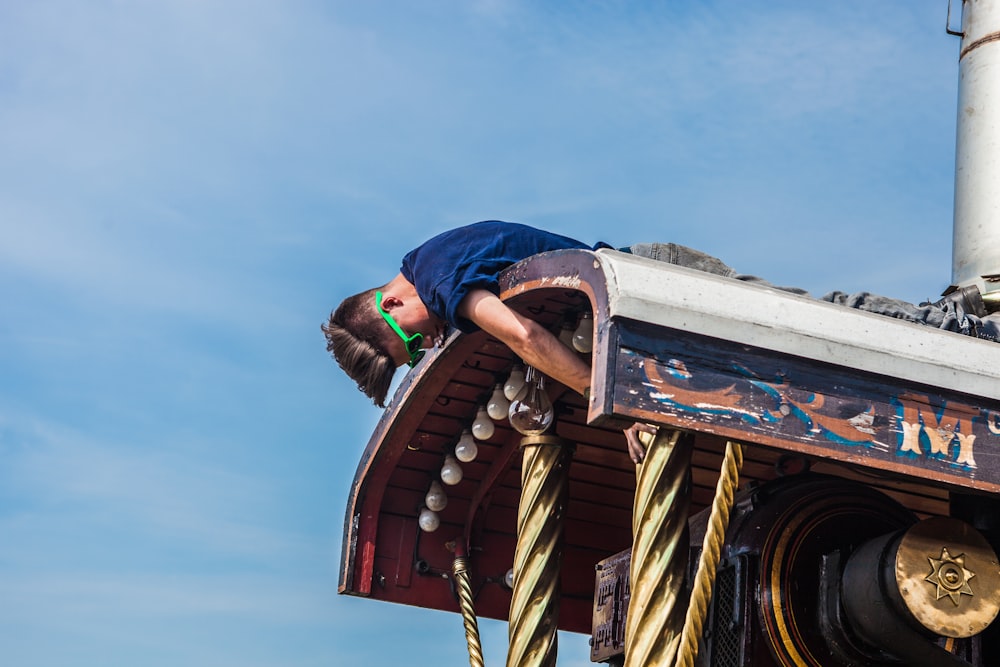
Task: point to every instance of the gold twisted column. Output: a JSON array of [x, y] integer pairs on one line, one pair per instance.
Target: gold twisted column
[[534, 606], [461, 572], [659, 550], [708, 564]]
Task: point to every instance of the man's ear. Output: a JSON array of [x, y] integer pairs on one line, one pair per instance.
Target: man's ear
[[389, 302]]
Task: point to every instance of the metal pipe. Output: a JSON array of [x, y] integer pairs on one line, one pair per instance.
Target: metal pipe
[[659, 550], [534, 605], [976, 231]]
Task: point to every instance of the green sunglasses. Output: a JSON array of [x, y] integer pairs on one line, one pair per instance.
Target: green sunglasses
[[414, 343]]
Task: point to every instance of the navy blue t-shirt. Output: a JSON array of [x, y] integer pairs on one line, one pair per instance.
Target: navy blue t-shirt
[[447, 267]]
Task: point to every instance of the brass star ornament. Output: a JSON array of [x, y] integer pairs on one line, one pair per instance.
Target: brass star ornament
[[950, 576]]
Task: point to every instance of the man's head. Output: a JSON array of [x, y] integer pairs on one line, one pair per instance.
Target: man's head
[[355, 337], [372, 333]]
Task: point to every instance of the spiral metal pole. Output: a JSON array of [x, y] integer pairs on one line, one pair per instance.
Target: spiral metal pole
[[659, 550], [708, 564], [461, 571], [534, 606]]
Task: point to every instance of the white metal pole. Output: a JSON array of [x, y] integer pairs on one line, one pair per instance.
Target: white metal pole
[[976, 235]]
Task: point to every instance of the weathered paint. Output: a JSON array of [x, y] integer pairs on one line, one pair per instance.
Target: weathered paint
[[738, 392]]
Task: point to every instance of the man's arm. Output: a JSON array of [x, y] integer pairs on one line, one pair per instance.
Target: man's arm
[[539, 348], [526, 338]]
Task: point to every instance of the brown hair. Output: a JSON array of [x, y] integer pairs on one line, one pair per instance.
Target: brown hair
[[355, 341]]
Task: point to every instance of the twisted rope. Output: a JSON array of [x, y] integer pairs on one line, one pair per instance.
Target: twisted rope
[[715, 536], [659, 550], [461, 572]]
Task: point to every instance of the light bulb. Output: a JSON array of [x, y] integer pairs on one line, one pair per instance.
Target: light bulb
[[531, 410], [498, 404], [451, 472], [514, 382], [566, 334], [436, 500], [583, 337], [428, 520], [508, 579], [483, 427], [466, 448]]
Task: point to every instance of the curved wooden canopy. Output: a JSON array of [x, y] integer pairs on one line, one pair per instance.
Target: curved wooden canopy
[[909, 409]]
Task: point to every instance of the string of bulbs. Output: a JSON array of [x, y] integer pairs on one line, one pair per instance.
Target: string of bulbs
[[522, 400]]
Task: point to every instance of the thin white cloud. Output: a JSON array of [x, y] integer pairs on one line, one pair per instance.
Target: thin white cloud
[[266, 597], [154, 489], [71, 251]]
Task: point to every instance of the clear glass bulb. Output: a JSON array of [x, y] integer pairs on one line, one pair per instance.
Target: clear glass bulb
[[436, 499], [531, 410], [583, 337], [498, 404], [566, 334], [428, 520], [466, 448], [514, 382], [508, 579], [482, 427], [451, 472]]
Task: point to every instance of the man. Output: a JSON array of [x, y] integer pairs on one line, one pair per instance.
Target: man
[[452, 280], [449, 280]]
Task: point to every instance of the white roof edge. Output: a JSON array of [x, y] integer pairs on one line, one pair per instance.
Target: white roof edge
[[702, 303]]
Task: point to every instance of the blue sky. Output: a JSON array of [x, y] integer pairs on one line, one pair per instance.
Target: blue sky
[[187, 188]]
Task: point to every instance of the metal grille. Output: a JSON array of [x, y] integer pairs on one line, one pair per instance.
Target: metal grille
[[726, 635]]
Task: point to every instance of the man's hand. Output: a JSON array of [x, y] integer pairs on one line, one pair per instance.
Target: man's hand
[[636, 451]]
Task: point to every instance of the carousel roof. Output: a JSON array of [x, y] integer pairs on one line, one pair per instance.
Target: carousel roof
[[911, 410]]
